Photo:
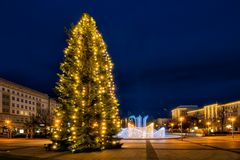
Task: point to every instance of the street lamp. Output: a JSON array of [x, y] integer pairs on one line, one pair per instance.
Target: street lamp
[[208, 124], [172, 124], [7, 121], [232, 120], [181, 120], [8, 124]]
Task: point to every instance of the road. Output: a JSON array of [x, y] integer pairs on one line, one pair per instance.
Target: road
[[193, 148]]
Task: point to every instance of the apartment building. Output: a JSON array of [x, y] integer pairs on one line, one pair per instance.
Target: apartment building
[[217, 111], [231, 109], [19, 103], [211, 111], [217, 115], [182, 110], [198, 113]]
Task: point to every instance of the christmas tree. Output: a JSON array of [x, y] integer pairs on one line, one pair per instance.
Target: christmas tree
[[88, 117]]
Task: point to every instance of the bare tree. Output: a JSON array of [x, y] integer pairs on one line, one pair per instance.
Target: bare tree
[[30, 126], [222, 116], [44, 118]]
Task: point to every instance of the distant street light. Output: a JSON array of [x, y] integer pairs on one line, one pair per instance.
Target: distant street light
[[172, 124], [181, 120], [232, 120], [8, 124]]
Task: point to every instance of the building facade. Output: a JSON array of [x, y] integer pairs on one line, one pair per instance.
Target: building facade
[[181, 111], [231, 109], [198, 113], [211, 111], [216, 115], [18, 104]]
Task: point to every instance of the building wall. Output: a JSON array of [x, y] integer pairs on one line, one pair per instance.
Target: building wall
[[53, 105], [19, 103], [161, 121], [211, 111], [182, 111], [198, 113], [178, 112], [231, 109]]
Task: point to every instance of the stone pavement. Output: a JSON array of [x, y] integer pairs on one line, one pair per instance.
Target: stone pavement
[[193, 148]]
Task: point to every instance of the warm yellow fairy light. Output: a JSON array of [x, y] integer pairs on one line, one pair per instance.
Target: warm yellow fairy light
[[95, 125], [101, 70], [54, 147], [232, 119], [74, 117], [104, 128]]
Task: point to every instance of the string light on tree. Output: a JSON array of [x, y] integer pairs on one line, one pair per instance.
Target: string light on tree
[[88, 117]]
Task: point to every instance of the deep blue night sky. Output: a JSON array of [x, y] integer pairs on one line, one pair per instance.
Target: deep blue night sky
[[166, 52]]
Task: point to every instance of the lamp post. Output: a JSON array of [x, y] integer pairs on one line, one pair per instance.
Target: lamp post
[[181, 120], [8, 124], [232, 120], [208, 124], [172, 124]]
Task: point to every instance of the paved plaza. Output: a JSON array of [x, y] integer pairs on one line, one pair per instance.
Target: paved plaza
[[193, 148]]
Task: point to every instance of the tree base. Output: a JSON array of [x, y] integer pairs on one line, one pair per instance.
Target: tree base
[[65, 147], [114, 146]]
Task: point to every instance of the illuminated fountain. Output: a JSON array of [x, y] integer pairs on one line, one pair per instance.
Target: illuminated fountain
[[140, 129]]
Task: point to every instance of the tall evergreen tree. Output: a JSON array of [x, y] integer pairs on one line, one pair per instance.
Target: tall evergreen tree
[[88, 117]]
